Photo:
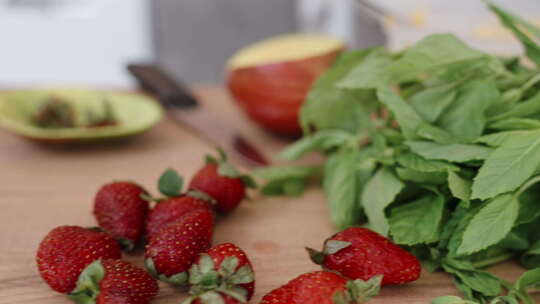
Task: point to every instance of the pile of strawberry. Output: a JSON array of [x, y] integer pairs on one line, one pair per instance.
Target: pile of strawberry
[[86, 264]]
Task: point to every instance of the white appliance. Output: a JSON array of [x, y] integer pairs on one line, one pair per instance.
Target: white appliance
[[72, 42]]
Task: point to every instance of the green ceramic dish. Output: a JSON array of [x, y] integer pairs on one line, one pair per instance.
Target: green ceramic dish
[[134, 114]]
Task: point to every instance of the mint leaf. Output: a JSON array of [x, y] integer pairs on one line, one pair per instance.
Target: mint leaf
[[436, 134], [526, 108], [499, 138], [432, 53], [170, 183], [515, 124], [371, 73], [418, 222], [450, 152], [431, 178], [289, 181], [323, 140], [466, 117], [405, 115], [459, 187], [493, 222], [526, 36], [528, 196], [416, 162], [451, 300], [327, 107], [508, 167], [480, 281], [531, 258], [340, 187], [431, 102], [379, 193], [528, 279]]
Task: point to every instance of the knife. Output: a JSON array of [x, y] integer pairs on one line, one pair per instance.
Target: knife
[[185, 108]]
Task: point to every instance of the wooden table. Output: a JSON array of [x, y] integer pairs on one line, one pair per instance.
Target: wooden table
[[43, 187]]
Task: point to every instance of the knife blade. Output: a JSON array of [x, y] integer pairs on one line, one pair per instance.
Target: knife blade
[[185, 108]]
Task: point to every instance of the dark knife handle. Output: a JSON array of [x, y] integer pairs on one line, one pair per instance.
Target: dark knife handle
[[159, 83]]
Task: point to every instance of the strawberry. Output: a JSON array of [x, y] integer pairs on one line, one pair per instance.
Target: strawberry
[[173, 249], [359, 253], [221, 181], [171, 210], [65, 252], [281, 295], [224, 268], [120, 210], [112, 282], [323, 287]]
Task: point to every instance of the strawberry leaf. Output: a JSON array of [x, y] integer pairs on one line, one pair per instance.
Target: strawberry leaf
[[88, 284], [202, 196], [179, 279], [211, 297], [333, 246], [243, 275], [228, 266], [361, 291], [238, 293], [170, 183]]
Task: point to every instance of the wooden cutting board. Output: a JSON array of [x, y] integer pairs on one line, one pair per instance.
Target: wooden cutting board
[[43, 187]]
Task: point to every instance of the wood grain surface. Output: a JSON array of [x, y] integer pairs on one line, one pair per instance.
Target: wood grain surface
[[43, 187]]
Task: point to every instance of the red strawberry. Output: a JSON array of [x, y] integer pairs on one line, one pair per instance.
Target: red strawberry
[[359, 253], [323, 287], [65, 252], [120, 210], [220, 180], [225, 268], [114, 282], [170, 210], [173, 249], [281, 295]]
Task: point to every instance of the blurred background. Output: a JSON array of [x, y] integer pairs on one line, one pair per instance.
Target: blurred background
[[89, 42]]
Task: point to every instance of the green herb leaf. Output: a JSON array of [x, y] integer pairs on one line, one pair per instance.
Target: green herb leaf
[[526, 108], [327, 107], [431, 102], [452, 152], [466, 117], [508, 167], [416, 162], [459, 187], [371, 73], [515, 124], [340, 187], [431, 178], [493, 222], [323, 140], [499, 138], [451, 300], [289, 181], [514, 23], [531, 258], [418, 222], [528, 279], [170, 183], [405, 115], [379, 193]]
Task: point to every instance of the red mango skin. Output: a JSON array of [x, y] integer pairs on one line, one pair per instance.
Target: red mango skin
[[272, 94]]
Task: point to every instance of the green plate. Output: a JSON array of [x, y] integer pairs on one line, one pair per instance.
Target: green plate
[[135, 114]]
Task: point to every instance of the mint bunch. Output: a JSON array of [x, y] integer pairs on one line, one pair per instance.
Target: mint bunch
[[438, 147]]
